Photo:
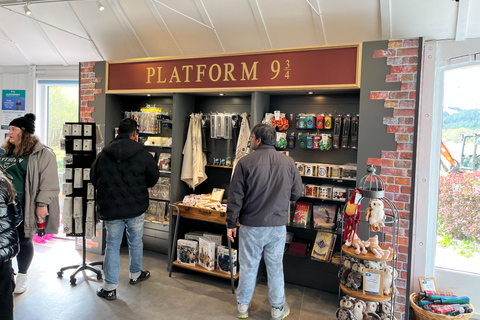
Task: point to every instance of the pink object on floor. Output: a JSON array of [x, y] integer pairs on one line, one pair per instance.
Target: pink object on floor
[[43, 239]]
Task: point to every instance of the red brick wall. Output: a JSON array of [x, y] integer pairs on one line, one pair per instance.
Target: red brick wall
[[396, 165], [88, 81]]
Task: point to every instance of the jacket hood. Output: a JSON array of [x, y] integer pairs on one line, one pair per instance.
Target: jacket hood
[[122, 147]]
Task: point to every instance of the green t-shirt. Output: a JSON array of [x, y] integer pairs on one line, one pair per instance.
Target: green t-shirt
[[8, 165]]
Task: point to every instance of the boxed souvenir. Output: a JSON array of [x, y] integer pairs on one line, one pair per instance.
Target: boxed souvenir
[[301, 168], [325, 191], [324, 216], [336, 172], [339, 194], [310, 170], [206, 253], [223, 260], [194, 235], [323, 171], [217, 238], [302, 214], [349, 171], [311, 190], [187, 252], [161, 190]]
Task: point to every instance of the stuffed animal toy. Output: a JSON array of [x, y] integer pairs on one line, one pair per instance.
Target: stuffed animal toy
[[354, 241], [372, 306], [355, 278], [372, 316], [372, 245], [345, 270], [388, 275], [385, 310], [375, 214], [351, 215], [347, 302], [372, 265], [345, 314], [359, 309]]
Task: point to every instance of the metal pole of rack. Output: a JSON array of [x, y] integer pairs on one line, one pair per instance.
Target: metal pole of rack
[[174, 242]]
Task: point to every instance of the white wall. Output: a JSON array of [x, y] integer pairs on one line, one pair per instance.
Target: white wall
[[25, 78]]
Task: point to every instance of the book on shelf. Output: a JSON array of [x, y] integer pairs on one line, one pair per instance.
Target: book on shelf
[[323, 246], [302, 214], [206, 253], [187, 252], [223, 260], [324, 216]]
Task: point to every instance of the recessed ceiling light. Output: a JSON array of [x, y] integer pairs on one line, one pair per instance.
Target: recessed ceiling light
[[310, 92], [149, 95], [221, 94]]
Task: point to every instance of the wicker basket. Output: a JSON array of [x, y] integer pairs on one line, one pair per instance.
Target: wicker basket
[[421, 314]]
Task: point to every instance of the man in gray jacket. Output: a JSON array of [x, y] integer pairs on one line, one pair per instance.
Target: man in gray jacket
[[262, 186]]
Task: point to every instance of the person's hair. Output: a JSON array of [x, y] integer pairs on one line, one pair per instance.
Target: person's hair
[[24, 148], [266, 133], [127, 126], [10, 188]]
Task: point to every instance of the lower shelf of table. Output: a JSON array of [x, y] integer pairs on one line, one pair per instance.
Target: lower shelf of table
[[365, 296], [203, 270]]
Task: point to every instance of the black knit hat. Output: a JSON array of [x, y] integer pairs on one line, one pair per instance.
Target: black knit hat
[[26, 123]]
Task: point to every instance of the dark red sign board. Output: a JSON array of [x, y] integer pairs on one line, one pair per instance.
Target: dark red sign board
[[310, 68]]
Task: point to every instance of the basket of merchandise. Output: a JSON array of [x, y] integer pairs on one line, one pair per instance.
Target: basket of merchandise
[[422, 314], [208, 207]]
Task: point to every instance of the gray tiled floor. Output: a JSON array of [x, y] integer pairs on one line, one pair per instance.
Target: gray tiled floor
[[186, 295]]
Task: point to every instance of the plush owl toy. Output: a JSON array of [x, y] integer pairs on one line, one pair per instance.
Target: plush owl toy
[[375, 214]]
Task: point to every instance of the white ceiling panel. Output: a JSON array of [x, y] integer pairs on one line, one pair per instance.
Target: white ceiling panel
[[66, 32], [437, 19]]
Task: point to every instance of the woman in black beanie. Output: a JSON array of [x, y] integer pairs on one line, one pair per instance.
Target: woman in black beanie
[[32, 168]]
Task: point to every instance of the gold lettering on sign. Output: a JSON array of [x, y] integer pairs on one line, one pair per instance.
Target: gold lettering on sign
[[246, 72], [210, 72], [174, 75], [228, 72], [200, 71], [187, 72]]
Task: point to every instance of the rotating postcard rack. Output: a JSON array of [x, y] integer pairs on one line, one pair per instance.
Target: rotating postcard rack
[[79, 203]]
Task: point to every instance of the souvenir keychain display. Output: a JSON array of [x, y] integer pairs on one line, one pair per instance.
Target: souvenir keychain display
[[337, 128], [346, 131], [354, 132]]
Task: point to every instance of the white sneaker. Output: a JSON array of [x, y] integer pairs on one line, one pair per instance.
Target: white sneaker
[[21, 283], [280, 313], [242, 310]]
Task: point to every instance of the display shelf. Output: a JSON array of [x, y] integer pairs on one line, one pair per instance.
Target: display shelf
[[310, 227], [203, 270], [157, 147], [165, 171], [369, 256], [216, 166], [365, 296], [329, 178], [323, 199]]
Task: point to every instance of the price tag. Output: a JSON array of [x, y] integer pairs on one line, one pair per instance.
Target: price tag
[[276, 114]]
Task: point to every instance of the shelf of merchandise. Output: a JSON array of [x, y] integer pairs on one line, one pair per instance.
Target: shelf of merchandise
[[330, 178], [165, 171], [203, 270], [200, 214], [369, 256], [365, 296], [324, 199], [216, 166]]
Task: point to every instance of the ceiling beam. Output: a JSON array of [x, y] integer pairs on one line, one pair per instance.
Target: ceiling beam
[[161, 22], [183, 14], [85, 30], [22, 54], [386, 19], [262, 27], [318, 22], [462, 20], [125, 22], [21, 3], [206, 17]]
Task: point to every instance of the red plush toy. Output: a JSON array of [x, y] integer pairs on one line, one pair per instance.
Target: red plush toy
[[352, 214]]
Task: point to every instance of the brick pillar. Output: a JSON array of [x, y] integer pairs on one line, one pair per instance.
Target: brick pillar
[[88, 80], [396, 165]]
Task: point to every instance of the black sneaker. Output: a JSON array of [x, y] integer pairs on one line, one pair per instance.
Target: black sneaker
[[109, 295], [144, 275]]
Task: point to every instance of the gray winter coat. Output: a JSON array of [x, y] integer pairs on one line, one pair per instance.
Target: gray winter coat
[[41, 186], [262, 186]]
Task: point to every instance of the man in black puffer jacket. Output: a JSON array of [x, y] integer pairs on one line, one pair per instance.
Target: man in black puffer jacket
[[121, 175]]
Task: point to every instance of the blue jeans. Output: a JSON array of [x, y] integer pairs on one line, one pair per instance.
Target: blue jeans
[[253, 241], [111, 263]]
